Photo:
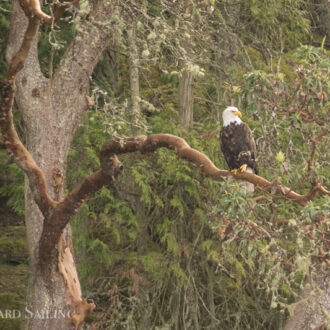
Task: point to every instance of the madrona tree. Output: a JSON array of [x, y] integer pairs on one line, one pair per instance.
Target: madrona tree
[[51, 109]]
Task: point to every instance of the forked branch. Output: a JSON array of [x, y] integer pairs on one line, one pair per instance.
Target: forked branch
[[111, 167], [19, 153]]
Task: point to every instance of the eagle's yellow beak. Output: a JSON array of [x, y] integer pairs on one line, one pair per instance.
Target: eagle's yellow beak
[[238, 113]]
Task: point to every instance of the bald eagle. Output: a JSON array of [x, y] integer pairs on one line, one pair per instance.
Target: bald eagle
[[237, 143]]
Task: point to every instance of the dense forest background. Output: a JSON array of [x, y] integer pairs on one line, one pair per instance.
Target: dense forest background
[[168, 248]]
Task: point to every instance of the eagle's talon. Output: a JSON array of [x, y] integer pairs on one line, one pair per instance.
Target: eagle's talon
[[243, 168], [234, 171]]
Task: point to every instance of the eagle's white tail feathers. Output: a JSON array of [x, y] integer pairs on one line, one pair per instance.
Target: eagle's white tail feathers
[[247, 186]]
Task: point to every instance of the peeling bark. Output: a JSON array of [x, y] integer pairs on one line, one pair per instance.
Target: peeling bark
[[64, 211], [66, 266], [147, 144], [51, 111]]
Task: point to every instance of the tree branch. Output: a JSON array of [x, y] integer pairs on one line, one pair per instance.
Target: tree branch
[[32, 8], [111, 167], [36, 10], [146, 144], [17, 62], [20, 154], [61, 7]]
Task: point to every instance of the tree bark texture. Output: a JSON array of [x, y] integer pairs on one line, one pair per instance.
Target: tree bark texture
[[186, 98], [146, 144], [51, 110], [312, 308], [320, 14], [134, 71]]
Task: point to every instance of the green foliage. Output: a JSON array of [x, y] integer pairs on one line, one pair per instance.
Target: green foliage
[[165, 219], [274, 24], [166, 247], [13, 273], [13, 251], [53, 43], [4, 32], [313, 208], [295, 103], [97, 247], [100, 227], [13, 191], [86, 147]]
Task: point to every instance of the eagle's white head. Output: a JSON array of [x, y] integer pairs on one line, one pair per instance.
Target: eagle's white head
[[231, 115]]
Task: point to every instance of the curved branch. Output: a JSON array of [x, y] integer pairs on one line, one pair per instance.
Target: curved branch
[[324, 191], [18, 60], [20, 154], [32, 8], [150, 143], [36, 10], [111, 167]]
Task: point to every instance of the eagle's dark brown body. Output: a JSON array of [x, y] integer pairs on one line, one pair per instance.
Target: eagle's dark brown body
[[238, 146]]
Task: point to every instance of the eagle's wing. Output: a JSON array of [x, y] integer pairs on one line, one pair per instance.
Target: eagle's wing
[[238, 146], [248, 154]]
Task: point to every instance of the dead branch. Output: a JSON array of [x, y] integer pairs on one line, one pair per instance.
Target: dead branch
[[14, 145]]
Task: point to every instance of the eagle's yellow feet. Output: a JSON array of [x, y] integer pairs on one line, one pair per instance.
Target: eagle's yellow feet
[[234, 171], [243, 168]]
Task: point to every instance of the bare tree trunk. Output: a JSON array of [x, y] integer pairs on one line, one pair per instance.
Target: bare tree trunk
[[135, 111], [319, 11], [210, 296], [186, 99], [51, 110], [33, 100], [134, 73], [176, 305]]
